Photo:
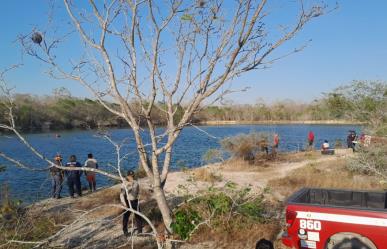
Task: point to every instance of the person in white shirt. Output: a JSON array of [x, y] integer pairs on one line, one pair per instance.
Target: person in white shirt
[[325, 146], [90, 175], [129, 198]]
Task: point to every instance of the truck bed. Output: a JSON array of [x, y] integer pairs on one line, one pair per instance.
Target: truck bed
[[341, 198]]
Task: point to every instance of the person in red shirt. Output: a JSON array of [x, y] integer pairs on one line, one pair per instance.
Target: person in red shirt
[[276, 141], [311, 138]]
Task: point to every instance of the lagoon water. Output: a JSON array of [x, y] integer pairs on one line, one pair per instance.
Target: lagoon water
[[188, 151]]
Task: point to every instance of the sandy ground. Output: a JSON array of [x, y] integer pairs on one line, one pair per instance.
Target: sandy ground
[[256, 179], [102, 229]]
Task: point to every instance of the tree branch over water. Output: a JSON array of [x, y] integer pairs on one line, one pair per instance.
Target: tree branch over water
[[128, 47]]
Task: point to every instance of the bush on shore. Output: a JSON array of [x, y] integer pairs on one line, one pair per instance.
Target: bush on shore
[[221, 210], [249, 147], [371, 160]]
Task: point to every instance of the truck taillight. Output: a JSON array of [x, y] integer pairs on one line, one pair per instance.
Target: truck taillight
[[290, 217]]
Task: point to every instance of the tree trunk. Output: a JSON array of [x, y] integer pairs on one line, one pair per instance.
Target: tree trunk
[[163, 206]]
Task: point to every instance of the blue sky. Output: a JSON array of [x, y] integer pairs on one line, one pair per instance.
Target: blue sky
[[349, 43]]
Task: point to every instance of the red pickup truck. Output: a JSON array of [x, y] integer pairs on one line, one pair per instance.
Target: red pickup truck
[[336, 219]]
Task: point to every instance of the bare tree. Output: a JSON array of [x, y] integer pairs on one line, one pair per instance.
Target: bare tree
[[6, 109], [161, 55]]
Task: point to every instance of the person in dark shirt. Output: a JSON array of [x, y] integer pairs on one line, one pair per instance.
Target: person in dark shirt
[[351, 140], [74, 177]]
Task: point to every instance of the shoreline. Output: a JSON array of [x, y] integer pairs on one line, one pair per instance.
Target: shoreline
[[209, 123], [281, 122]]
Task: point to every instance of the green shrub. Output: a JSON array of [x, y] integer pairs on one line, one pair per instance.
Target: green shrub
[[185, 221], [223, 209], [371, 160], [219, 203], [253, 209]]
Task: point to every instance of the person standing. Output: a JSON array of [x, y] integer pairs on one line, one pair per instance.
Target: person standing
[[276, 141], [351, 140], [90, 175], [129, 198], [56, 177], [310, 138], [74, 177]]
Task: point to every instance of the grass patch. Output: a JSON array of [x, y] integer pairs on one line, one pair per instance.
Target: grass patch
[[330, 174]]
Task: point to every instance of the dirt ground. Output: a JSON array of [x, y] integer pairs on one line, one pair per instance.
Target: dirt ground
[[101, 228]]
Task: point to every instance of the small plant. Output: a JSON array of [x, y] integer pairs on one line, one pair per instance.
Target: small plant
[[9, 208], [253, 209], [185, 221], [219, 203]]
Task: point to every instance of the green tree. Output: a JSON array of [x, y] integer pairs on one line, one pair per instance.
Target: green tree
[[367, 102]]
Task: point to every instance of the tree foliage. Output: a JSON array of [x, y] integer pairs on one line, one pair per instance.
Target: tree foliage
[[361, 100]]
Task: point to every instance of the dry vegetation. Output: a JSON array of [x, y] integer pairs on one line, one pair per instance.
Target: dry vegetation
[[205, 174], [332, 174], [237, 235], [327, 174], [225, 230]]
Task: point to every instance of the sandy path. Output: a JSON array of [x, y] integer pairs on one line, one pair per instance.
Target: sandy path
[[257, 180], [104, 230]]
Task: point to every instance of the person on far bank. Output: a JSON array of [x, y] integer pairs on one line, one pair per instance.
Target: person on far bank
[[351, 140], [310, 138], [325, 146], [56, 177], [276, 141], [74, 177], [90, 175], [129, 198]]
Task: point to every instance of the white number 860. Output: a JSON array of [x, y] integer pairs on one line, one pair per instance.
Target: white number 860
[[310, 224]]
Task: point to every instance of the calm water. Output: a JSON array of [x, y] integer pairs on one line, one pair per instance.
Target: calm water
[[188, 150]]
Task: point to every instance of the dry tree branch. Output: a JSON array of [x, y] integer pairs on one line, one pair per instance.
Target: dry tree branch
[[211, 50]]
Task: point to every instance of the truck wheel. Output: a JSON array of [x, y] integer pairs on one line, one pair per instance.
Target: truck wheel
[[349, 241]]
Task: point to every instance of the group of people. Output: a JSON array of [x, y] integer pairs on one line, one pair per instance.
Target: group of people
[[351, 140], [72, 175], [130, 187], [129, 191]]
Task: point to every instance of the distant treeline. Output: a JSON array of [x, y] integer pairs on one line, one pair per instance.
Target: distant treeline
[[359, 101]]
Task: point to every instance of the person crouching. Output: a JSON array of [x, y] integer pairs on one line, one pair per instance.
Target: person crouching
[[129, 198]]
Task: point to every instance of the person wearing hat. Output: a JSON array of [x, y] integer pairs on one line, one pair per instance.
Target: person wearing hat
[[56, 177], [129, 198]]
